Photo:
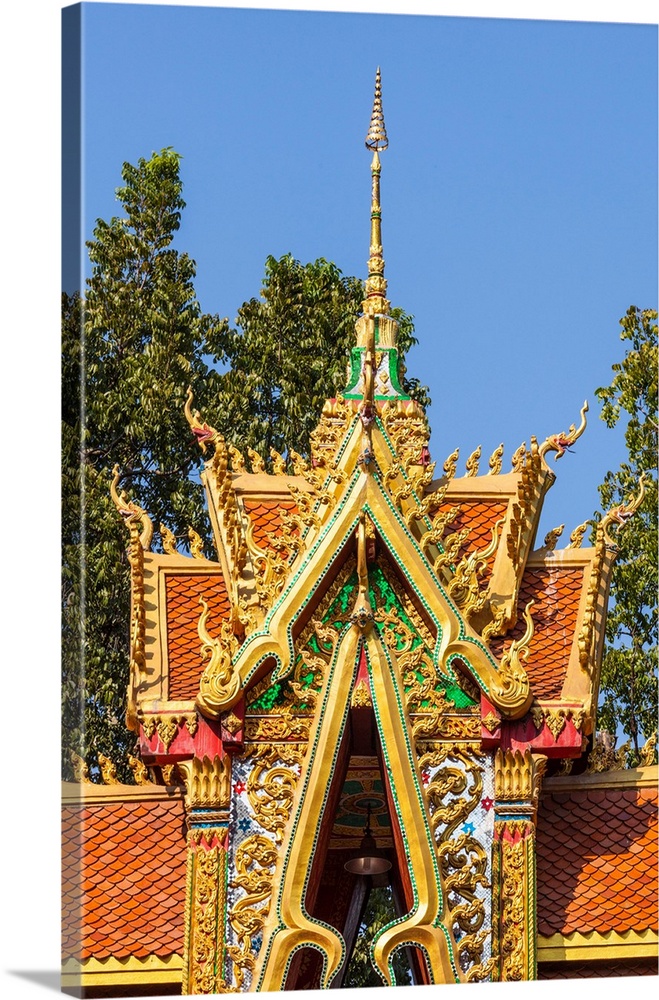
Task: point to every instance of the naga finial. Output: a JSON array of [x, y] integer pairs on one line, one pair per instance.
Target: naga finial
[[130, 511], [619, 515], [375, 302], [203, 433], [560, 443]]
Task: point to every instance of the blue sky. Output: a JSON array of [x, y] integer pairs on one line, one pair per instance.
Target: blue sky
[[519, 196], [519, 188]]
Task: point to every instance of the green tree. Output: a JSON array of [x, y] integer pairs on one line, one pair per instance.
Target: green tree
[[629, 668], [378, 912], [131, 346], [289, 354]]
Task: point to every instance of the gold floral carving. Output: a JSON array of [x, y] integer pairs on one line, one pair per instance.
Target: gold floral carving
[[220, 684], [577, 536], [522, 510], [440, 523], [464, 588], [471, 465], [428, 727], [80, 769], [232, 723], [134, 517], [495, 462], [561, 442], [208, 782], [255, 860], [171, 775], [361, 696], [511, 691], [606, 758], [491, 722], [227, 509], [552, 537], [450, 466], [140, 770], [649, 752], [453, 793], [335, 418], [168, 539], [415, 662], [196, 544], [168, 726], [407, 428], [108, 770], [277, 727], [517, 461], [237, 460], [278, 463], [206, 913], [258, 465], [271, 784], [516, 939], [513, 775]]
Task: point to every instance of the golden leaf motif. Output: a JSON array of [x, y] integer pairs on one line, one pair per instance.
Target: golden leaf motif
[[220, 684], [496, 461]]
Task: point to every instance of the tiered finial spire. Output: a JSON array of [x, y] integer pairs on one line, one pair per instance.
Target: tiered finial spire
[[375, 302]]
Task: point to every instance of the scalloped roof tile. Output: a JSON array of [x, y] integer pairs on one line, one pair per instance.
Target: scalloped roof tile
[[108, 899], [183, 591], [597, 861], [556, 592], [265, 517], [479, 516]]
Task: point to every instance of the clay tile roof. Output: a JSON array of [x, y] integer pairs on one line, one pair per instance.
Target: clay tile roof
[[114, 903], [183, 591], [479, 516], [597, 861], [264, 515], [556, 591]]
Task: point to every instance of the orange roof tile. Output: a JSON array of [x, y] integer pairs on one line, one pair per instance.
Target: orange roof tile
[[598, 970], [264, 515], [183, 591], [597, 860], [556, 591], [479, 516], [123, 879]]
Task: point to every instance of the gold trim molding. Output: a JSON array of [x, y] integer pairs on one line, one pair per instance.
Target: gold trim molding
[[595, 946], [111, 972]]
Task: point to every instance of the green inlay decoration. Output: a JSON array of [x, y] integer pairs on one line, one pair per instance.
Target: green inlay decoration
[[383, 596]]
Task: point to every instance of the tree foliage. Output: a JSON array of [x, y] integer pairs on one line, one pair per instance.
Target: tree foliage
[[130, 348], [132, 344], [378, 912], [629, 668]]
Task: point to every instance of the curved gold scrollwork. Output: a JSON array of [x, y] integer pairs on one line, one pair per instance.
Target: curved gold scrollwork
[[220, 684], [270, 789], [255, 860], [511, 690]]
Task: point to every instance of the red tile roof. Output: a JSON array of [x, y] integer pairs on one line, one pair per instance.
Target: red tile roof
[[597, 860], [128, 897], [183, 591], [479, 516], [556, 591], [264, 515], [598, 970]]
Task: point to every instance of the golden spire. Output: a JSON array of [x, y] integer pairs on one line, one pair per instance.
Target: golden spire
[[376, 139]]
